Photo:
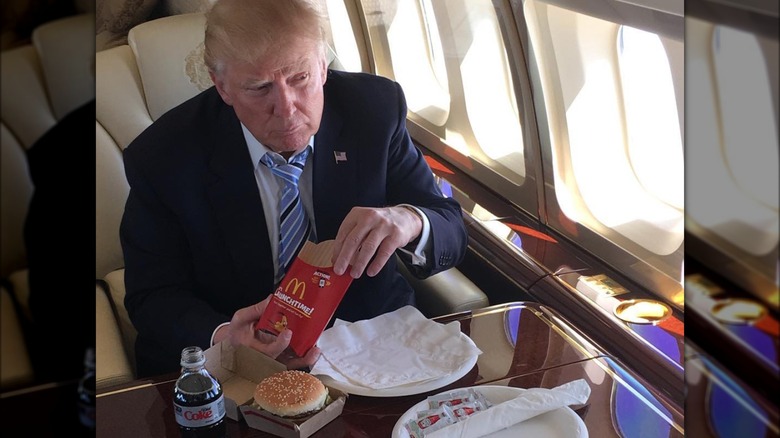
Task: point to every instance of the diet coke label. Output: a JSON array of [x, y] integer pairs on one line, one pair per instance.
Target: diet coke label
[[200, 416]]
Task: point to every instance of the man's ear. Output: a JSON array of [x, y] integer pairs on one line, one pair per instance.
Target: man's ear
[[324, 70], [219, 83]]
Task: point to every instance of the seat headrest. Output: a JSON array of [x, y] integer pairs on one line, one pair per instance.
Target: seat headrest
[[169, 54], [67, 54]]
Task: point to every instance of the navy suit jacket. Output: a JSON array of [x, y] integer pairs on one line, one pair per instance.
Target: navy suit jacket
[[194, 235]]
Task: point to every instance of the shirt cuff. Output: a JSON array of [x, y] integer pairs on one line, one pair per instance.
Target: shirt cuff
[[418, 255], [211, 343]]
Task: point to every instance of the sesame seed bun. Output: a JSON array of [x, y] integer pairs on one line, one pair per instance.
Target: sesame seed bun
[[291, 394]]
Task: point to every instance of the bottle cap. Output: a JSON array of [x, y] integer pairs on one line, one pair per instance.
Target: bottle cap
[[192, 357]]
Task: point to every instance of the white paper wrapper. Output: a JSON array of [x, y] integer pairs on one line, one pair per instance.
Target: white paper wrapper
[[532, 402], [392, 350]]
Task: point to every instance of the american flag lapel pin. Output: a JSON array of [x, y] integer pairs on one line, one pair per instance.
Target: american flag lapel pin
[[340, 156]]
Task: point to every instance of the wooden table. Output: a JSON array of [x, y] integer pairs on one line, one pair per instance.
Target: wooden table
[[524, 345]]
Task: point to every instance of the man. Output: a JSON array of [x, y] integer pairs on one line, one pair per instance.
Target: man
[[201, 230]]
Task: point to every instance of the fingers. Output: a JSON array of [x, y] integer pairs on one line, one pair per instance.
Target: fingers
[[384, 253], [345, 244], [367, 234], [312, 356], [242, 332], [307, 361], [359, 251], [251, 313], [261, 306], [376, 248], [271, 345]]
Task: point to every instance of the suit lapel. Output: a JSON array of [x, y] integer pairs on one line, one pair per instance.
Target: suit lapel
[[334, 180], [237, 204]]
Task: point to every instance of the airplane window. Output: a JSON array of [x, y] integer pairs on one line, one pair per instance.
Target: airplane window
[[608, 91], [415, 54], [612, 107], [489, 92], [652, 123], [343, 37], [618, 153], [450, 58]]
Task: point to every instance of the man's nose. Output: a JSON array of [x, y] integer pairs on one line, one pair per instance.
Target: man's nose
[[284, 104]]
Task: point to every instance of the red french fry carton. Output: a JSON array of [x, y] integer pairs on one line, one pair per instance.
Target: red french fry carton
[[307, 297]]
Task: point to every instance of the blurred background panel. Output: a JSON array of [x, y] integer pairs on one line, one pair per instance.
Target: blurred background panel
[[732, 222]]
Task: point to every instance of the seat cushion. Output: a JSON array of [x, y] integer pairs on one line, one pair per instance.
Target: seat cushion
[[169, 53], [116, 287], [66, 50], [120, 106], [15, 366], [24, 104], [111, 191], [15, 193], [112, 363]]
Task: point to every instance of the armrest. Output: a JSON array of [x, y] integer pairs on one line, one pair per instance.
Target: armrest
[[112, 363], [444, 293], [116, 292], [16, 369]]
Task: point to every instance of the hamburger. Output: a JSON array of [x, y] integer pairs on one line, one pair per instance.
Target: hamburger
[[291, 394]]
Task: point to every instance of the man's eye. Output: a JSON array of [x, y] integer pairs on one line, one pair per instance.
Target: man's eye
[[259, 88], [302, 77]]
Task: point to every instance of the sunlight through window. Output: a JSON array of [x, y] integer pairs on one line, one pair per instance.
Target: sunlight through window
[[427, 94], [489, 97], [652, 122], [343, 37], [614, 124]]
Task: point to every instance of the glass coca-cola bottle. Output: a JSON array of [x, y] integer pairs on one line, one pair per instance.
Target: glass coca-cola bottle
[[198, 401]]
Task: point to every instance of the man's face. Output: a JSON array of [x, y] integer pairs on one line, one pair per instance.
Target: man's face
[[280, 97]]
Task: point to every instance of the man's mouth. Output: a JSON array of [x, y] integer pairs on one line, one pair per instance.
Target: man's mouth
[[289, 130]]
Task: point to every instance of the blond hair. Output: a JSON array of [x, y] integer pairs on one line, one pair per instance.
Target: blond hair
[[245, 30]]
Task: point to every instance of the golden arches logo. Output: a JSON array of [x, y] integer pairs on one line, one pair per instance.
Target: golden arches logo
[[297, 285]]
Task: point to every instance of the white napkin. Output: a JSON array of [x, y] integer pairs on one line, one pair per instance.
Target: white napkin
[[530, 403], [395, 349]]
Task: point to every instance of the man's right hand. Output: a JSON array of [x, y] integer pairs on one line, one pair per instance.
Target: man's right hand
[[241, 331]]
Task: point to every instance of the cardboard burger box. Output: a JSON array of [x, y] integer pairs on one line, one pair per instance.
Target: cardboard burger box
[[239, 370]]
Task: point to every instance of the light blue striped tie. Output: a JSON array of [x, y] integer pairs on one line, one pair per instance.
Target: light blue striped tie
[[294, 225]]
